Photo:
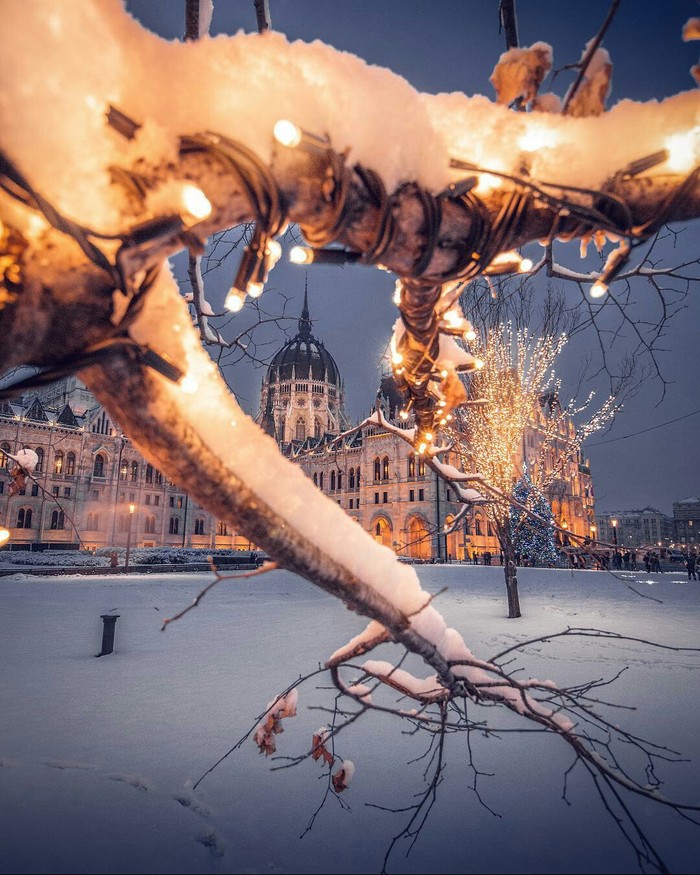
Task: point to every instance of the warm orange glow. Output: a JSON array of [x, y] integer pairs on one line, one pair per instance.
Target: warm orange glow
[[287, 133], [195, 202]]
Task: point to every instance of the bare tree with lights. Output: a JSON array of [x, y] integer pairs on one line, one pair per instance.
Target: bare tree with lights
[[114, 165]]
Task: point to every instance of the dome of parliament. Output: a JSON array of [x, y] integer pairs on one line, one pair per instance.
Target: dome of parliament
[[303, 358]]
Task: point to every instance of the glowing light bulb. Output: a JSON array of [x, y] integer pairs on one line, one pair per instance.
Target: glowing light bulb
[[428, 436], [443, 421], [470, 335], [443, 374], [287, 133], [274, 252], [683, 150], [195, 202], [487, 182], [525, 265], [189, 385], [300, 255], [478, 364], [442, 403], [234, 301], [255, 289], [403, 415], [4, 535], [422, 448], [448, 417], [598, 289], [396, 357]]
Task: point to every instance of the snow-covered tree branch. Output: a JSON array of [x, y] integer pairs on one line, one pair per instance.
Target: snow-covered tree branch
[[113, 160]]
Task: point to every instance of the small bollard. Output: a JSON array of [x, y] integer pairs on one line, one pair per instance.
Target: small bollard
[[109, 621]]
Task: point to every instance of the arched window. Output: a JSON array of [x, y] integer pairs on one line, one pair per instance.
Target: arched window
[[340, 480], [411, 465], [149, 525], [93, 522], [134, 472], [421, 466], [4, 459], [58, 463], [122, 522], [477, 526], [385, 468], [222, 530], [174, 525], [320, 480], [24, 518], [149, 473], [351, 478], [159, 478], [317, 427], [377, 469], [124, 470], [199, 527], [57, 520], [300, 430], [70, 464], [315, 478], [357, 479], [39, 467], [332, 481], [98, 468]]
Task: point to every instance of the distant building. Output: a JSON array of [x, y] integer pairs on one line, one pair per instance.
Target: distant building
[[89, 473], [87, 477], [376, 476], [686, 517], [648, 527]]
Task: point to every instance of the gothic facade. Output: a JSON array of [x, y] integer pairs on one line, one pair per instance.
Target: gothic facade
[[94, 489]]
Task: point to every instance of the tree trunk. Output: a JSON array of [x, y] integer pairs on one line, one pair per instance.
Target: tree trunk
[[510, 571]]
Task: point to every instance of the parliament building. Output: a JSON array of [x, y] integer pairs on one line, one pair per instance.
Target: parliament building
[[92, 488]]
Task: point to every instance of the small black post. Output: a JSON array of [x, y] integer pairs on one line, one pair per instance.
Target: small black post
[[109, 621]]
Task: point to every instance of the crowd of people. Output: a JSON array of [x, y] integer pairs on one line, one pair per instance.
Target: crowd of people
[[619, 560]]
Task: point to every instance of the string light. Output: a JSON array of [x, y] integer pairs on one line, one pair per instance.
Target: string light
[[292, 136], [195, 202], [189, 384], [304, 255], [234, 301], [683, 150]]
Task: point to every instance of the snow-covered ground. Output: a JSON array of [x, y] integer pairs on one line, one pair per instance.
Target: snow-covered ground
[[99, 756]]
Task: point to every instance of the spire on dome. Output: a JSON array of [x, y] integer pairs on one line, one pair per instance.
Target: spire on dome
[[305, 319]]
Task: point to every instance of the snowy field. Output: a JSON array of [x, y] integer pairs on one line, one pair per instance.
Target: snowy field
[[99, 756]]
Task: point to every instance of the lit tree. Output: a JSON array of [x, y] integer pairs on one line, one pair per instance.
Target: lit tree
[[515, 370], [532, 530], [112, 160]]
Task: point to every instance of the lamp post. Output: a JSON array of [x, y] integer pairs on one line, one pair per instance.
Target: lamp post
[[613, 523], [132, 508]]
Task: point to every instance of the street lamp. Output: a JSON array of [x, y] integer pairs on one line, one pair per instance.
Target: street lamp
[[132, 508], [565, 539], [613, 523]]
